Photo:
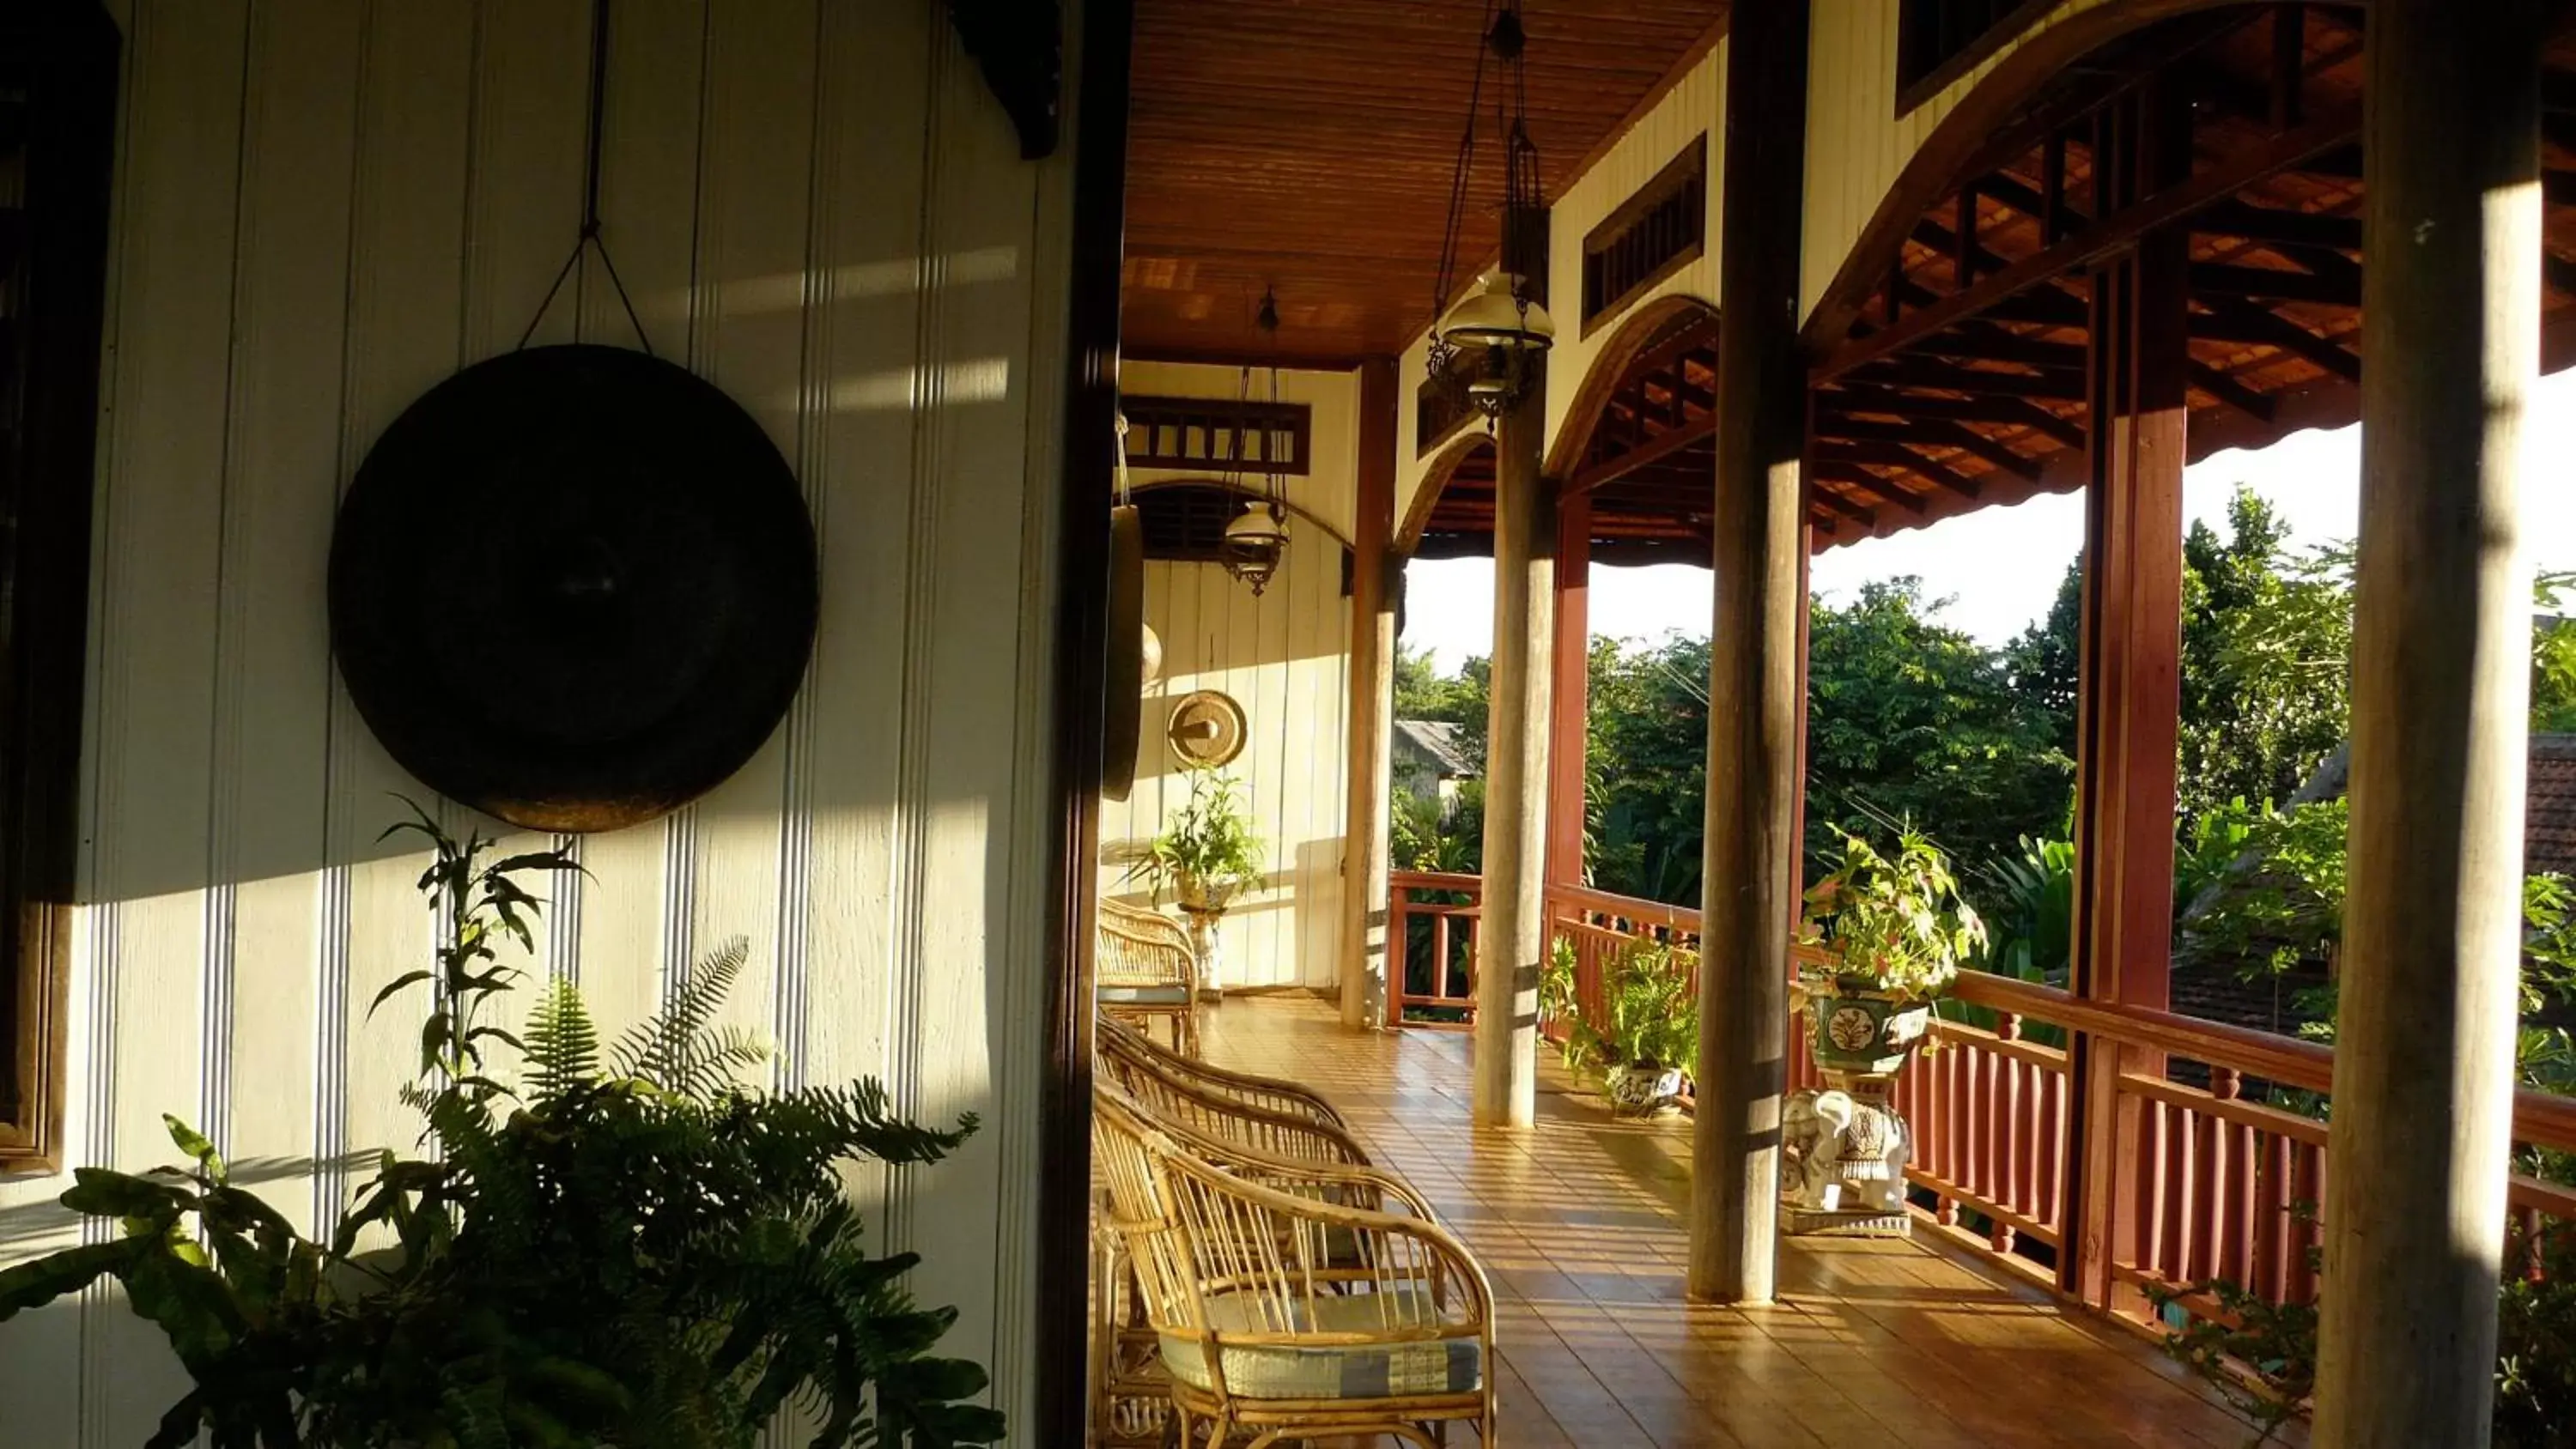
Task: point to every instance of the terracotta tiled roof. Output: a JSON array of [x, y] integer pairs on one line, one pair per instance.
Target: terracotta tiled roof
[[2549, 821]]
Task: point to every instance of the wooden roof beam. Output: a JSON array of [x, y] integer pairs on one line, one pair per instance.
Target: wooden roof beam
[[1665, 444], [1898, 455], [1886, 490], [2278, 224], [2276, 284], [2105, 237], [2011, 411], [1837, 503], [1931, 372], [1975, 344], [2230, 392], [1933, 433], [2234, 321]]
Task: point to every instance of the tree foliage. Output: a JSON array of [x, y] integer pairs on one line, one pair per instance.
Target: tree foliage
[[1910, 721], [630, 1248]]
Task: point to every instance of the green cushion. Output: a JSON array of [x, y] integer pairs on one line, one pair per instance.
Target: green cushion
[[1145, 995], [1361, 1371]]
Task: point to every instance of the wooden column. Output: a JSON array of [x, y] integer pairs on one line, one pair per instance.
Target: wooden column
[[2130, 697], [2415, 1194], [1758, 553], [1514, 930], [1567, 713], [1372, 690]]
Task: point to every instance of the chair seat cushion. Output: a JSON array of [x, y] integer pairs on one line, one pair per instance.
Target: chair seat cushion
[[1340, 1371], [1145, 995]]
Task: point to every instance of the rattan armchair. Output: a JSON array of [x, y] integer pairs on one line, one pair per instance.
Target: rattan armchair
[[1126, 1049], [1144, 968], [1283, 1315]]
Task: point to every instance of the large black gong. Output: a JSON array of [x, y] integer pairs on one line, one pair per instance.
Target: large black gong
[[573, 587]]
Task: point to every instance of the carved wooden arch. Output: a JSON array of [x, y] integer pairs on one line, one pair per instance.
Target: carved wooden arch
[[1945, 157], [1248, 494], [1609, 367], [1435, 479]]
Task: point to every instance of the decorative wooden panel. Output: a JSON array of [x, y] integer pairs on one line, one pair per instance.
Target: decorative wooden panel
[[57, 126], [1653, 234], [1201, 432]]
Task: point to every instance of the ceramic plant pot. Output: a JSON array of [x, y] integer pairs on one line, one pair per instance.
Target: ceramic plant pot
[[1642, 1088], [1861, 1031]]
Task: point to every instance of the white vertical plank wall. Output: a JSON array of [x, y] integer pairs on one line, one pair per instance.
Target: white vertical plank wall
[[1285, 657], [323, 208]]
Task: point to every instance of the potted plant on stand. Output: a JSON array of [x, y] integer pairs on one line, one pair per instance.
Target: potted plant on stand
[[1886, 936], [1654, 1028], [1207, 856]]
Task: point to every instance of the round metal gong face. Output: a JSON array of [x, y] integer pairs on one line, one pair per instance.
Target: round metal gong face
[[573, 587]]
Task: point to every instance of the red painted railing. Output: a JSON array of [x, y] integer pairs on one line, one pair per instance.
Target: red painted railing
[[2173, 1181], [1434, 967]]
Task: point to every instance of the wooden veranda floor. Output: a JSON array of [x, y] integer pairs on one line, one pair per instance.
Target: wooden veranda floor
[[1581, 1225]]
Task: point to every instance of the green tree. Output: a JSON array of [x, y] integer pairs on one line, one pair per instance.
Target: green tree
[[1910, 720], [1646, 768], [1461, 699], [2266, 660]]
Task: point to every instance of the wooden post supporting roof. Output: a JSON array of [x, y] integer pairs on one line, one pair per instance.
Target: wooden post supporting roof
[[1372, 690], [1760, 542], [2130, 697], [1573, 690], [2415, 1186], [1513, 933]]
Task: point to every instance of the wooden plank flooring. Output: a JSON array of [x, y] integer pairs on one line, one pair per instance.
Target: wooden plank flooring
[[1580, 1223]]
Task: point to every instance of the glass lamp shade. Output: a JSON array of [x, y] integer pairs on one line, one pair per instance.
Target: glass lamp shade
[[1492, 314], [1253, 544]]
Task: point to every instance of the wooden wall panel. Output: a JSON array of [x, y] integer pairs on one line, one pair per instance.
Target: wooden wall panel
[[1285, 656], [322, 210]]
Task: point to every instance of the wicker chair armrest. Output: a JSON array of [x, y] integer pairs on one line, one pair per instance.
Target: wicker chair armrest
[[1410, 1251], [1274, 1169], [1273, 1094]]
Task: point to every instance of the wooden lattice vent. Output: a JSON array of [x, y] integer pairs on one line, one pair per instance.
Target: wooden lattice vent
[[1223, 433], [1654, 233]]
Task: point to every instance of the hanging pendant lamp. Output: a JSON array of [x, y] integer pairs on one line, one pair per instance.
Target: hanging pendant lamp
[[1484, 350], [1257, 538]]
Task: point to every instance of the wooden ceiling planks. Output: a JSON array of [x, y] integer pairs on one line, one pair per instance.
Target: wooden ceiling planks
[[1307, 146]]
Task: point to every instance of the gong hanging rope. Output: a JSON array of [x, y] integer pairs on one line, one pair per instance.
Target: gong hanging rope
[[590, 238]]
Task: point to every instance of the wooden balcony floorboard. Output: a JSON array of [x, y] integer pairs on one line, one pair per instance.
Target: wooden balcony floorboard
[[1580, 1223]]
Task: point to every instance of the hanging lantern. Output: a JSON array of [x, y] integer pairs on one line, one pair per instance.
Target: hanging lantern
[[1254, 543], [1484, 351]]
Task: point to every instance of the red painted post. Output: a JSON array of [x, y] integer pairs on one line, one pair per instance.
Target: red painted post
[[1570, 692], [2130, 693], [1399, 951]]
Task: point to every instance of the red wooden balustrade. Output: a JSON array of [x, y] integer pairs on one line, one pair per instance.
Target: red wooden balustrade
[[1445, 955], [2203, 1180]]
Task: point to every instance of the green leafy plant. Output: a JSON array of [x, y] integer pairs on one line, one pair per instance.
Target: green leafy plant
[[1556, 1000], [1893, 924], [2035, 934], [2260, 1356], [1208, 853], [627, 1248], [1653, 1013]]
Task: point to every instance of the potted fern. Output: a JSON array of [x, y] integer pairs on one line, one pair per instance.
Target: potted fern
[[1653, 1038], [1206, 856], [1890, 933], [627, 1247]]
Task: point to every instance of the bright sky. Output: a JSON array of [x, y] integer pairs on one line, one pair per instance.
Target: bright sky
[[2000, 567]]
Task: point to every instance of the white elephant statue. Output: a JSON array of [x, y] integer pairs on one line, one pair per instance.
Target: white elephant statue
[[1851, 1155]]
